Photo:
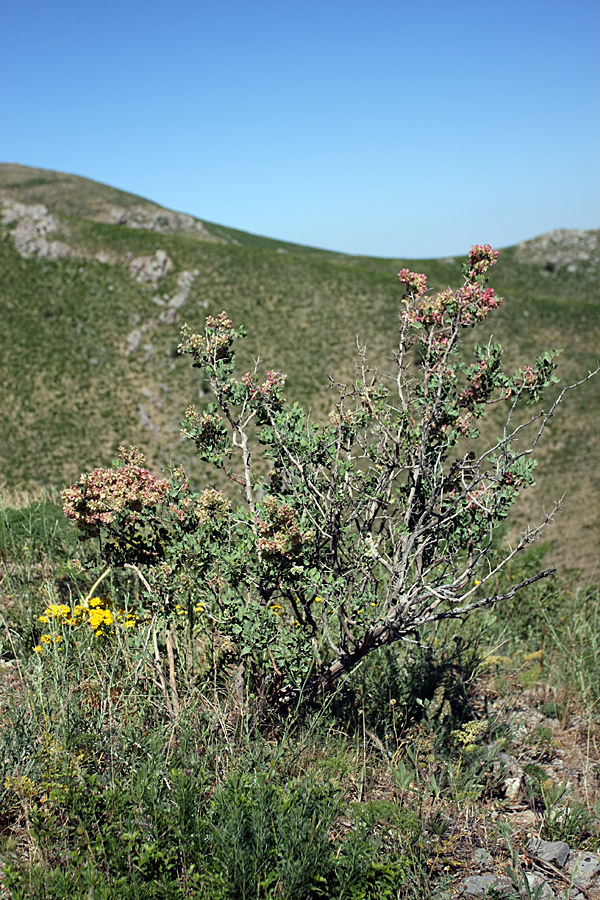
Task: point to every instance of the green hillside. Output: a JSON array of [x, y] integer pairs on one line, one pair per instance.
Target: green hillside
[[88, 355]]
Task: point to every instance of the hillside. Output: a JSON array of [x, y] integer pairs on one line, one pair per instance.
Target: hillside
[[97, 282]]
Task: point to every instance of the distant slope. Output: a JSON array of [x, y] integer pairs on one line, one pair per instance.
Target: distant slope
[[91, 312]]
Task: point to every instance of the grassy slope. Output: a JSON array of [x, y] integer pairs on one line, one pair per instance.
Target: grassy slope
[[71, 395]]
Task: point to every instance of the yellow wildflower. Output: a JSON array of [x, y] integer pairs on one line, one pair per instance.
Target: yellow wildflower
[[100, 619]]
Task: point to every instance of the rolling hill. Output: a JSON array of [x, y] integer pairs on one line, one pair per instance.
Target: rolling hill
[[96, 283]]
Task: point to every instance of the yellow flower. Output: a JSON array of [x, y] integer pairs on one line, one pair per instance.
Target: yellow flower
[[55, 611], [51, 638], [77, 615], [319, 600], [99, 619]]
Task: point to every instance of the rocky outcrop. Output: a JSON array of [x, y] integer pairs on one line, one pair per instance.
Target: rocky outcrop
[[569, 247], [171, 305], [33, 223], [150, 269], [162, 220], [185, 281], [556, 871]]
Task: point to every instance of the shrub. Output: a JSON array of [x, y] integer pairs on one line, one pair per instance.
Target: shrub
[[364, 529]]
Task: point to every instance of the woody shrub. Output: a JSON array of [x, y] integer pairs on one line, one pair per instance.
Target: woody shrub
[[366, 528]]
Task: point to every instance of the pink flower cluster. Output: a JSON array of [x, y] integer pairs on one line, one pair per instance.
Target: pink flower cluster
[[219, 323], [475, 302], [416, 283], [279, 531], [471, 303], [219, 335], [211, 506], [269, 388], [100, 496], [481, 257], [525, 378], [215, 342]]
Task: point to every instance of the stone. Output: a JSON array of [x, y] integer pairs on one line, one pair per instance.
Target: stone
[[563, 247], [483, 860], [513, 789], [584, 868], [161, 220], [538, 887], [185, 281], [554, 852], [33, 225], [482, 885], [150, 269]]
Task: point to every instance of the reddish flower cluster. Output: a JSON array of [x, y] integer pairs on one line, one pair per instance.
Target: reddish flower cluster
[[99, 497], [475, 302], [268, 389], [215, 343], [416, 283], [481, 257], [525, 379], [212, 505], [279, 532], [471, 303], [219, 335]]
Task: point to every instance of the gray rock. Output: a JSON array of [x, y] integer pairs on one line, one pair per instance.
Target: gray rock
[[514, 780], [133, 341], [554, 852], [538, 887], [483, 860], [481, 885], [150, 269], [584, 869], [565, 246], [161, 220], [185, 281], [33, 225]]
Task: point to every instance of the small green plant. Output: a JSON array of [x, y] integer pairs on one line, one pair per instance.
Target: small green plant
[[348, 536], [567, 820]]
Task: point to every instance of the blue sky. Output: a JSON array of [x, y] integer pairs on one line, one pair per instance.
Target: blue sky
[[386, 128]]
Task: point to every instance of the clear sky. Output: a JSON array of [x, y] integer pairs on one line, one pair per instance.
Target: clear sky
[[383, 128]]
